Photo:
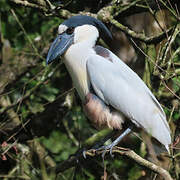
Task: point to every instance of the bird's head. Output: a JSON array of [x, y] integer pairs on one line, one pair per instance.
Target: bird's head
[[74, 30]]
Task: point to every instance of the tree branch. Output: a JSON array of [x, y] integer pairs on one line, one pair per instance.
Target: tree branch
[[31, 5], [139, 36], [106, 15], [72, 161], [132, 155]]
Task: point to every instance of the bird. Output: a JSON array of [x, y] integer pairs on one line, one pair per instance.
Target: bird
[[110, 90]]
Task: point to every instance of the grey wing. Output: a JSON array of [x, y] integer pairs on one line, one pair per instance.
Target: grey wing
[[116, 84]]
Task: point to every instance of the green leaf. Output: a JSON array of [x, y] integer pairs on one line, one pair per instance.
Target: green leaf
[[135, 173]]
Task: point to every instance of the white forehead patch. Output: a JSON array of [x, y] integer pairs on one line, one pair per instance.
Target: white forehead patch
[[62, 28], [85, 32]]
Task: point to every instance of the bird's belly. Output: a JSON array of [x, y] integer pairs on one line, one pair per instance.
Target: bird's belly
[[100, 115], [80, 79]]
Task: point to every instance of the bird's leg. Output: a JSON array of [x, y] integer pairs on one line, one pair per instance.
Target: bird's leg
[[115, 142], [106, 138]]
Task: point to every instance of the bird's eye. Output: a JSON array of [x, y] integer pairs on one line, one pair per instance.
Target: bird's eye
[[70, 30]]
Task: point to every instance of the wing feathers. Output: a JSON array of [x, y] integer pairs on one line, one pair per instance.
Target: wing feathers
[[116, 84]]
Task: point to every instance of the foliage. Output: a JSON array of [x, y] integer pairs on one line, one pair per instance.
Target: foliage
[[41, 120]]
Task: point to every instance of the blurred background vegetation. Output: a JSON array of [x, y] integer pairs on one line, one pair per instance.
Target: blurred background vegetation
[[41, 120]]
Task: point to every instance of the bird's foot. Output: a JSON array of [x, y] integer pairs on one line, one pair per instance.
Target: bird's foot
[[106, 148], [114, 143]]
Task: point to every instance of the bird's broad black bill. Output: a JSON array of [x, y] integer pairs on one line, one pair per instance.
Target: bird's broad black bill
[[59, 46]]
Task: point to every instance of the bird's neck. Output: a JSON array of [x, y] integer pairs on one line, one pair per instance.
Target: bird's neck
[[75, 60]]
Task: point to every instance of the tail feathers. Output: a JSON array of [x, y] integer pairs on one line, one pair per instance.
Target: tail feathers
[[167, 148], [159, 148], [159, 129]]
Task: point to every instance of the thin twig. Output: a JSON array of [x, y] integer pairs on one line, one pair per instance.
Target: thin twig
[[26, 35], [29, 92]]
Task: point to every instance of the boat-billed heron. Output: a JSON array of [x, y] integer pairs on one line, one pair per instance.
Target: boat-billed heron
[[108, 88]]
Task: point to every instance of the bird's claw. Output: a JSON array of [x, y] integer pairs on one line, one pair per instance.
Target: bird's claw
[[104, 152], [111, 153], [105, 148], [84, 154]]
